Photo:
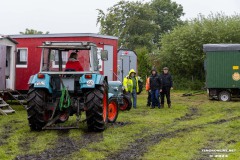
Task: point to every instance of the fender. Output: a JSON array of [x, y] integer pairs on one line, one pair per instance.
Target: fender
[[110, 95], [41, 82], [96, 79]]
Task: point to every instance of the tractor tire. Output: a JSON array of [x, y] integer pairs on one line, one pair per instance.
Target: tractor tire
[[140, 85], [112, 110], [36, 102], [224, 96], [97, 108], [127, 103]]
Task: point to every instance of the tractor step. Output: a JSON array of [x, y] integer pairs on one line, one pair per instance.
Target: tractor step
[[14, 95], [7, 111], [4, 105]]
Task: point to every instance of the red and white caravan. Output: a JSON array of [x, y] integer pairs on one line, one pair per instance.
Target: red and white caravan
[[28, 55]]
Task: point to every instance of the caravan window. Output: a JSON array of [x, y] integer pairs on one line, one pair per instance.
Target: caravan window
[[22, 57], [56, 60]]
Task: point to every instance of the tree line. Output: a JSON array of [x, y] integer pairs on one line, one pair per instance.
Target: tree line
[[160, 38]]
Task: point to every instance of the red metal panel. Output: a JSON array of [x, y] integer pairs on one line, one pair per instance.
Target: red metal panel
[[34, 55]]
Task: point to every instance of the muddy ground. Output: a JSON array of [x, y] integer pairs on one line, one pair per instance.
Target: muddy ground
[[65, 145]]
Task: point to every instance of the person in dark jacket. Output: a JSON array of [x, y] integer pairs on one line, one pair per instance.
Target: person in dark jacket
[[167, 84], [156, 88]]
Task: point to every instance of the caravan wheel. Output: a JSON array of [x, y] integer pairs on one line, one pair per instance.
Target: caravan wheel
[[224, 96]]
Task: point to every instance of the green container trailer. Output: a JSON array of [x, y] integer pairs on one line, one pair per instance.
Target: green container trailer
[[222, 66]]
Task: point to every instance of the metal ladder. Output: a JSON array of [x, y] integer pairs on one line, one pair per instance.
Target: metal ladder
[[5, 108], [14, 94]]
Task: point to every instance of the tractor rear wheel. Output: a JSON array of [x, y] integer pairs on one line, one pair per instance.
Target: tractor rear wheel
[[37, 114], [127, 103], [97, 108], [112, 110]]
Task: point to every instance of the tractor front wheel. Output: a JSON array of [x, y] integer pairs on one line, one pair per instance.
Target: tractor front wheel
[[97, 108], [127, 103], [112, 110], [36, 104]]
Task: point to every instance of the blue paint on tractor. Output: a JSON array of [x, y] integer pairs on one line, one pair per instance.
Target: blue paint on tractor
[[96, 79], [110, 95], [115, 91], [42, 82]]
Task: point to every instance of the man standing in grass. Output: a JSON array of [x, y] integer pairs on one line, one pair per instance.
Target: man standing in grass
[[148, 91], [167, 85], [130, 84], [156, 88]]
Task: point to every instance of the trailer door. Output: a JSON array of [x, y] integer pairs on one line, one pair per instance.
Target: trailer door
[[2, 66], [127, 60]]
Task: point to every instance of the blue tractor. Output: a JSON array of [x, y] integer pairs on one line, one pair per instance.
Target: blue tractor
[[55, 94], [117, 96]]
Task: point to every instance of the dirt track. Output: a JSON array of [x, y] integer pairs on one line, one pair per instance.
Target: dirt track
[[65, 145], [137, 149]]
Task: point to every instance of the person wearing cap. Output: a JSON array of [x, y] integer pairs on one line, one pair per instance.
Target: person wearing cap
[[130, 83], [167, 85], [73, 63], [156, 88]]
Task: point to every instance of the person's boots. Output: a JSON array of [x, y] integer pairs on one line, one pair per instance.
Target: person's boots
[[169, 105]]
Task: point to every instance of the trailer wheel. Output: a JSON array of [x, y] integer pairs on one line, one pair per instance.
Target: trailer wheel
[[127, 103], [112, 110], [97, 108], [37, 114], [224, 96]]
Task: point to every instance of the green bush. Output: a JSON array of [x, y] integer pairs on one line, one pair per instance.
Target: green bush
[[182, 49], [181, 83]]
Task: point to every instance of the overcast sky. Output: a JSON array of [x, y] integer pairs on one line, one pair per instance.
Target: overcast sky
[[79, 16]]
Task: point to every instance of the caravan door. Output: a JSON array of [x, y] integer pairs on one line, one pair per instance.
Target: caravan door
[[2, 67], [108, 65]]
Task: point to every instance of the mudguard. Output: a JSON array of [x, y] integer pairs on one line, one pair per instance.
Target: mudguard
[[41, 82], [110, 95], [96, 79]]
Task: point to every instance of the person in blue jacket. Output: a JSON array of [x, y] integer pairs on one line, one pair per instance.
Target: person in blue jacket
[[155, 87]]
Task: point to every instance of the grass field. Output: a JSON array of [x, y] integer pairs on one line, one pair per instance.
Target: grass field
[[195, 128]]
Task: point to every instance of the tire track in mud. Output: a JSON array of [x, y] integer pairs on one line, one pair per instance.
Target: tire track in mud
[[25, 143], [211, 144], [66, 146], [192, 114], [8, 130], [137, 149]]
